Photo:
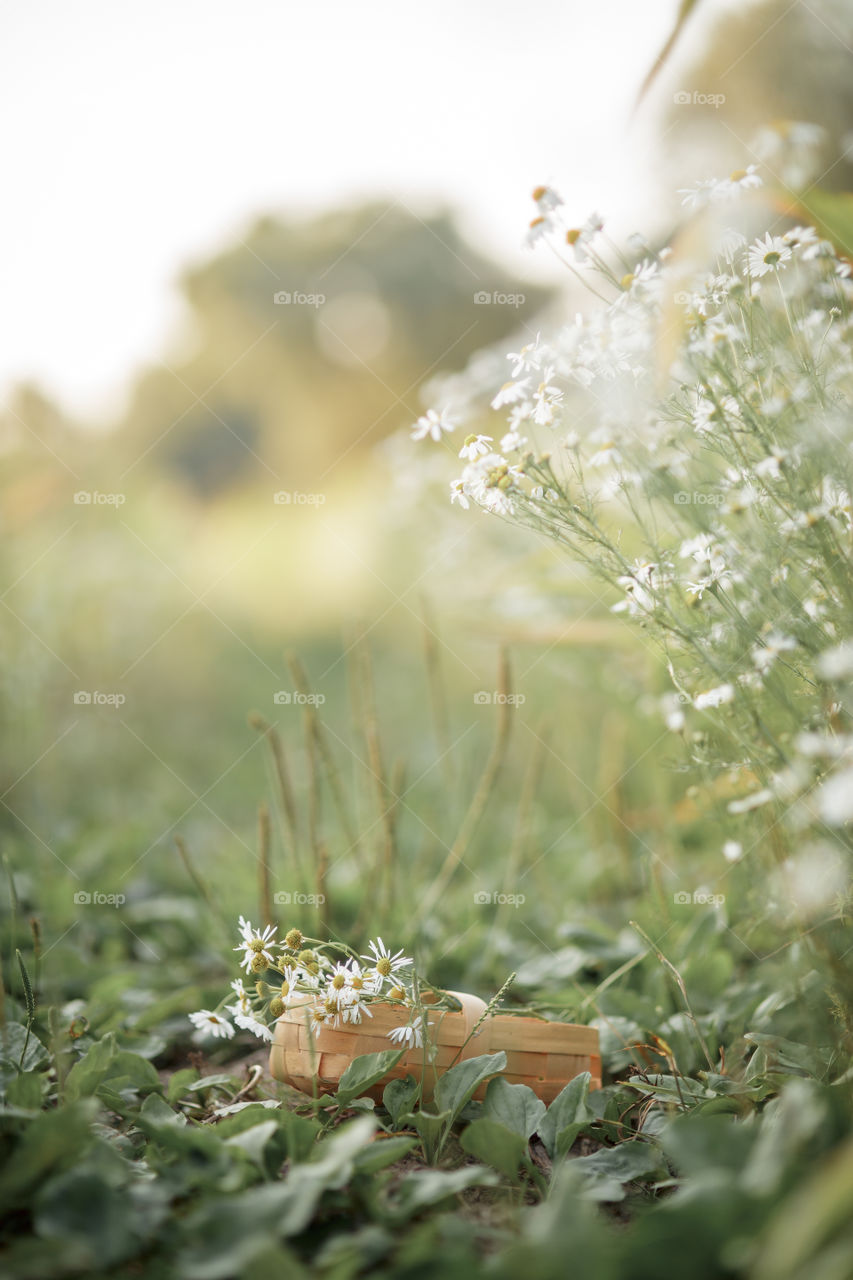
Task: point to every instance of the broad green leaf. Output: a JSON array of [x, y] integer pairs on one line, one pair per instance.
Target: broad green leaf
[[156, 1109], [493, 1143], [86, 1074], [398, 1098], [513, 1105], [430, 1129], [458, 1085], [420, 1190], [364, 1072], [180, 1082], [253, 1141], [605, 1172], [383, 1152], [26, 1090], [51, 1143], [566, 1116], [12, 1040]]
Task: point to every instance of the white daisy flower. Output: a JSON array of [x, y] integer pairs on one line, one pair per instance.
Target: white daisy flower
[[714, 697], [212, 1024], [767, 255], [432, 424], [458, 494], [383, 964], [475, 447], [250, 1023], [410, 1035], [255, 943]]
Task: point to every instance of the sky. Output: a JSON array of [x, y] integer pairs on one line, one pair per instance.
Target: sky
[[140, 137]]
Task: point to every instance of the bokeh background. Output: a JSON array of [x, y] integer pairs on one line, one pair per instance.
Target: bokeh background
[[239, 242]]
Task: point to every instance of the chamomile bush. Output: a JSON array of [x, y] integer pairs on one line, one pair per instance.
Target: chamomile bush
[[689, 441]]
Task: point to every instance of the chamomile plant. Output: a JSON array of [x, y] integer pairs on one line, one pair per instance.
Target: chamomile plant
[[689, 439], [329, 980]]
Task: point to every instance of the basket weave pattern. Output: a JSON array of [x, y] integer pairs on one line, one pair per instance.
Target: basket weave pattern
[[542, 1055]]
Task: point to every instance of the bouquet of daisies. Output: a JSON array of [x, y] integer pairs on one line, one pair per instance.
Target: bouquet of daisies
[[329, 980]]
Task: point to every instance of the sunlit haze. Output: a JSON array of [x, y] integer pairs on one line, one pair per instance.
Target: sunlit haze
[[139, 138]]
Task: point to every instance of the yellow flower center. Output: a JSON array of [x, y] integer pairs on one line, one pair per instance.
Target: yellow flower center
[[383, 966]]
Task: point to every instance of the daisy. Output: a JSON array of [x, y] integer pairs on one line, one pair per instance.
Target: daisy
[[511, 393], [475, 447], [212, 1024], [255, 943], [432, 424], [714, 697], [766, 654], [244, 1000], [249, 1023], [767, 255], [382, 963], [458, 494], [528, 359], [410, 1035]]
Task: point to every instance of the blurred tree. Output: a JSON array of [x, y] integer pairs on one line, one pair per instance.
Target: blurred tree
[[311, 339]]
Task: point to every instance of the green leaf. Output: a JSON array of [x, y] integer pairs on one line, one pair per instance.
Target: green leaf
[[364, 1072], [431, 1130], [493, 1143], [514, 1106], [458, 1085], [86, 1074], [13, 1058], [179, 1083], [51, 1143], [26, 1090], [398, 1098], [383, 1152], [420, 1190], [605, 1172], [566, 1116]]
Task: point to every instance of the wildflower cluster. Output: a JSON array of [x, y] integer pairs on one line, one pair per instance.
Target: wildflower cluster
[[691, 442], [328, 980]]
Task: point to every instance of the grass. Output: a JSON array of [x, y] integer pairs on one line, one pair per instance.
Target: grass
[[719, 1145]]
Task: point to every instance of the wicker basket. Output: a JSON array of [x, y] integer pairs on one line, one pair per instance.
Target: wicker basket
[[307, 1062], [543, 1055]]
